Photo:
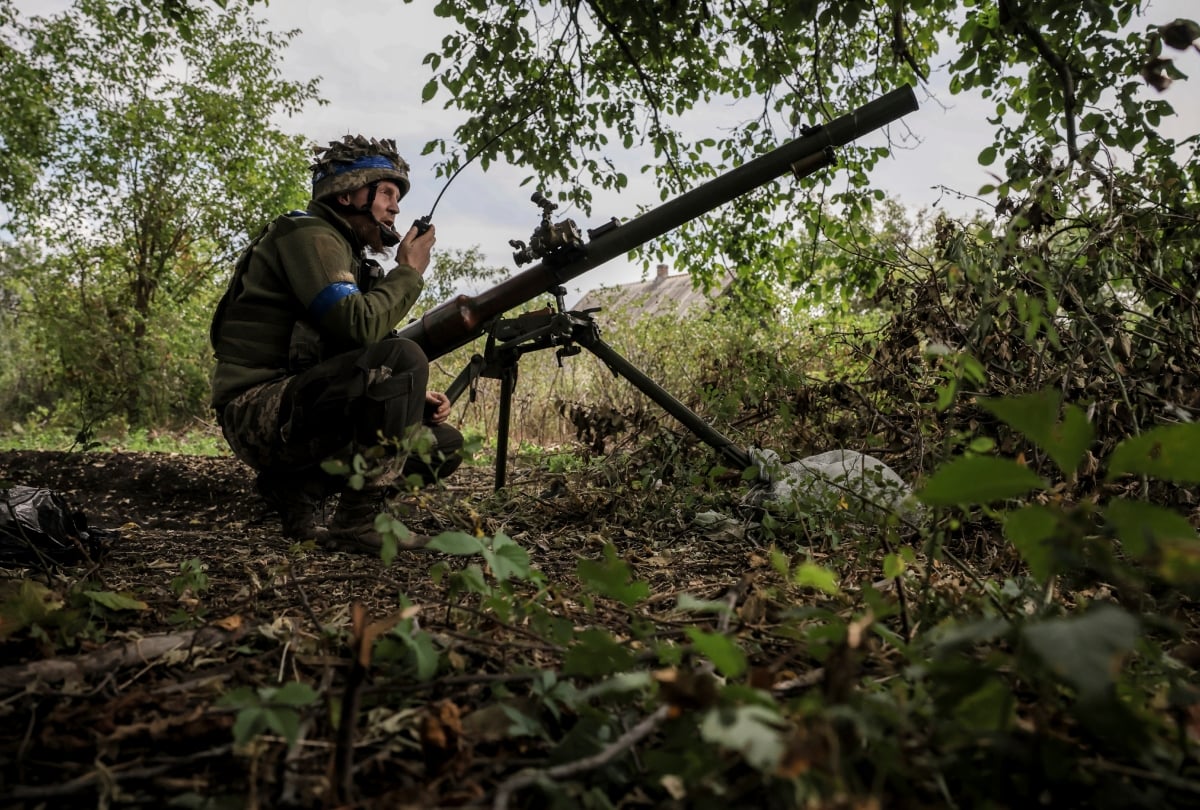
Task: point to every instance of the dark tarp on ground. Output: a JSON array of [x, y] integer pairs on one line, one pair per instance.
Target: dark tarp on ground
[[38, 526]]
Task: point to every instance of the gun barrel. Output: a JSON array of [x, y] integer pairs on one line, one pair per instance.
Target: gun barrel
[[460, 320]]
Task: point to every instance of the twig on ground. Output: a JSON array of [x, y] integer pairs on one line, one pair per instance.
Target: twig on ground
[[619, 746], [129, 654], [308, 611], [80, 783], [805, 681], [342, 766]]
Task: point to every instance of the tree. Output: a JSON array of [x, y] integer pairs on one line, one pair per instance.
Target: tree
[[161, 159], [29, 114], [589, 75]]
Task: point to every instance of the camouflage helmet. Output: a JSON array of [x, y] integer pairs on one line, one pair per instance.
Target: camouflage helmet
[[354, 162]]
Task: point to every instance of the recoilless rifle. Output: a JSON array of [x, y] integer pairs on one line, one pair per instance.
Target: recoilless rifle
[[562, 254]]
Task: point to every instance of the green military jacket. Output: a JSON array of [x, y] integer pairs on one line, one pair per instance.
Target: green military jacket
[[305, 272]]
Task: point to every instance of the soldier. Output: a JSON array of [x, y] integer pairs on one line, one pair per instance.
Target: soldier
[[307, 366]]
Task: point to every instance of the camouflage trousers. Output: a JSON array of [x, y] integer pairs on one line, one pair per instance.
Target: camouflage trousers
[[368, 401]]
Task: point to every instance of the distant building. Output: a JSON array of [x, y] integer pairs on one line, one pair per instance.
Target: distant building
[[665, 294]]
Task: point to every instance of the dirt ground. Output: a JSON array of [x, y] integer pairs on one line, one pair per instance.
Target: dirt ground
[[125, 712]]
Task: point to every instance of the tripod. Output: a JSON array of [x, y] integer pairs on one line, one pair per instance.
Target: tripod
[[508, 339]]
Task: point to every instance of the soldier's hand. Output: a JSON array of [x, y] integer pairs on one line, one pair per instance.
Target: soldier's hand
[[437, 407], [414, 249]]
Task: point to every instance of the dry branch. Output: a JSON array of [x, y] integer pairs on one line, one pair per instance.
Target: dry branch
[[132, 653]]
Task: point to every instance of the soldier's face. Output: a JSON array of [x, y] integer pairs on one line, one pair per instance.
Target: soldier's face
[[383, 212], [386, 204]]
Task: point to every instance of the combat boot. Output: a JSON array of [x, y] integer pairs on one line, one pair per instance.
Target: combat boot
[[298, 509], [352, 527]]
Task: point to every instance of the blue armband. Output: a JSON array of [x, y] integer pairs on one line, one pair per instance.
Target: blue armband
[[328, 297]]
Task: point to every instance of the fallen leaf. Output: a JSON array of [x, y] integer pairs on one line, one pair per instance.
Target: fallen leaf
[[230, 623]]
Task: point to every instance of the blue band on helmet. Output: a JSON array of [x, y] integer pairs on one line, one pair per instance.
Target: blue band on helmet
[[367, 162], [328, 297]]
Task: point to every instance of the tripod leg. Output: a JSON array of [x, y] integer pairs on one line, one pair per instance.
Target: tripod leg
[[690, 419], [508, 381], [465, 378]]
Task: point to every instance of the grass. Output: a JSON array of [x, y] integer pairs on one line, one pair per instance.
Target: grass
[[204, 441]]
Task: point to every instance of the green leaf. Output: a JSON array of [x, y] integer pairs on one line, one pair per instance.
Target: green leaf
[[780, 562], [392, 532], [810, 575], [753, 730], [692, 604], [988, 708], [472, 580], [239, 698], [521, 724], [1086, 651], [978, 479], [506, 558], [25, 604], [1036, 416], [893, 566], [1029, 530], [116, 601], [725, 654], [425, 654], [612, 578], [619, 684], [293, 693], [1070, 439], [283, 721], [595, 654], [1179, 561], [247, 725], [458, 543], [429, 90], [951, 639], [388, 548], [1142, 526], [1171, 452]]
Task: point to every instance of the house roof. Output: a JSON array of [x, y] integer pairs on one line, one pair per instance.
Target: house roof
[[665, 294]]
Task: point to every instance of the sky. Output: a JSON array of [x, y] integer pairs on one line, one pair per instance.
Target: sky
[[368, 54]]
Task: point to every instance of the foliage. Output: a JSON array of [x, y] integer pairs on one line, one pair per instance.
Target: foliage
[[159, 162], [31, 111], [590, 77], [82, 612], [455, 272], [1000, 694], [268, 709]]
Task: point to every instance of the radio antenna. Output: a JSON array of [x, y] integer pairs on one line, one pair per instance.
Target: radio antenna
[[424, 222]]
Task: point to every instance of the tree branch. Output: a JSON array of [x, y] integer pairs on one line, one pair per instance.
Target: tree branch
[[1057, 64], [900, 44], [651, 96]]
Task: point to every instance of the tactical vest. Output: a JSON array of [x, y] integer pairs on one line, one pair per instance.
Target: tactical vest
[[267, 326]]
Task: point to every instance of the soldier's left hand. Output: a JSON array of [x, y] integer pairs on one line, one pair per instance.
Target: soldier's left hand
[[437, 407]]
